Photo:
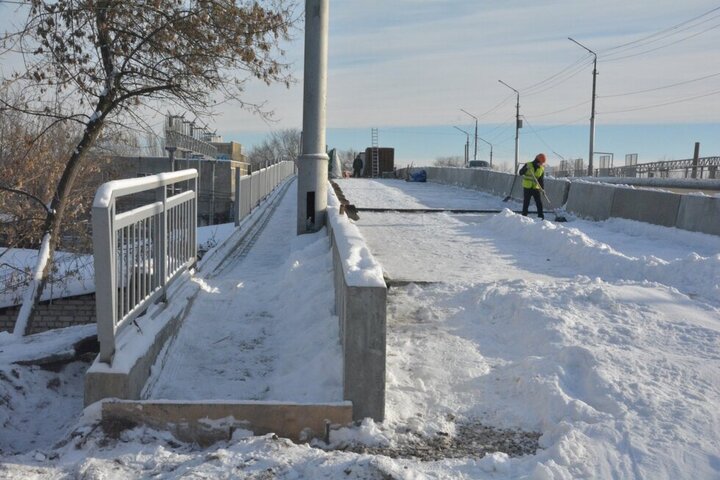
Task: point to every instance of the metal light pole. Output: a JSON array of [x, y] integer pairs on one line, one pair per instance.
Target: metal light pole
[[517, 125], [467, 144], [490, 149], [313, 161], [476, 137], [592, 114]]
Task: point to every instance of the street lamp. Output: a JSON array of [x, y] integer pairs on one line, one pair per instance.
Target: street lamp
[[467, 144], [592, 114], [490, 149], [518, 125], [476, 125]]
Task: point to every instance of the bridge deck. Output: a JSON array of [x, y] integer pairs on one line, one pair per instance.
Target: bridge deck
[[262, 327]]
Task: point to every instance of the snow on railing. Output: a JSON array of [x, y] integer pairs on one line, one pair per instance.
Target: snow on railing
[[138, 253], [250, 189]]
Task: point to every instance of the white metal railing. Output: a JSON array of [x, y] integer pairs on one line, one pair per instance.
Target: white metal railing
[[139, 252], [250, 189]]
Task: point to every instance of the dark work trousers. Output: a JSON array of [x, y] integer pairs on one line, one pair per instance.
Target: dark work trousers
[[534, 193]]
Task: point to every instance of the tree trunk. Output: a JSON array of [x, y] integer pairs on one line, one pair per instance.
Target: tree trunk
[[52, 228]]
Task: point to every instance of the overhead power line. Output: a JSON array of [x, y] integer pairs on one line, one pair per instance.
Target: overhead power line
[[558, 77], [664, 32], [656, 105], [571, 107], [636, 54], [685, 82]]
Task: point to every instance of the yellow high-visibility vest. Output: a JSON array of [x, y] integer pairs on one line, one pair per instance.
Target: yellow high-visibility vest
[[531, 172]]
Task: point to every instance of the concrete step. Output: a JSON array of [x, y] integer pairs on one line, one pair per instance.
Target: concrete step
[[207, 422]]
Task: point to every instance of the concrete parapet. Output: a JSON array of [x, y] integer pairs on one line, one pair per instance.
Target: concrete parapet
[[699, 214], [205, 423], [590, 200], [600, 201], [517, 188], [658, 208], [137, 351], [499, 183], [360, 303], [557, 190]]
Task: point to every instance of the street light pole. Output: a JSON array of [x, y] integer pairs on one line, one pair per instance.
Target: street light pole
[[313, 161], [517, 125], [490, 149], [467, 144], [476, 125], [592, 114]]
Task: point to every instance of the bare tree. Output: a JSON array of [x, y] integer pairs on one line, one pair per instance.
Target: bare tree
[[95, 62], [281, 145], [347, 157], [455, 161]]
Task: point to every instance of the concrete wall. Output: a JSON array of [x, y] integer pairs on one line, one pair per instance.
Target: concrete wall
[[132, 363], [360, 303], [600, 201], [589, 200], [61, 313], [216, 196], [699, 214], [658, 208]]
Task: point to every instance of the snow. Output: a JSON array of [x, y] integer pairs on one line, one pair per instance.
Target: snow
[[604, 337], [359, 266], [74, 275]]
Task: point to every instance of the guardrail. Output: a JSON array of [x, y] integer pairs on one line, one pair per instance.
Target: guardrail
[[250, 189], [138, 253]]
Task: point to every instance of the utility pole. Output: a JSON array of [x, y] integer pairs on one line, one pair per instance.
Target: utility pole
[[592, 114], [476, 137], [490, 149], [518, 125], [313, 161], [467, 145]]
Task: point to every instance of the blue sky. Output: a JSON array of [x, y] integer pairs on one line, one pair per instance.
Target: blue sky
[[407, 67]]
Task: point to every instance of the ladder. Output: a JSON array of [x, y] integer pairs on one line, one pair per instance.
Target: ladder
[[375, 154]]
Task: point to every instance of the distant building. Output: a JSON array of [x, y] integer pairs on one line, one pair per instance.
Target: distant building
[[216, 196], [386, 161]]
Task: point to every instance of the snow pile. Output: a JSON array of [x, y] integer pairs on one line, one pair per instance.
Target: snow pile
[[360, 267], [692, 274], [73, 274], [600, 337]]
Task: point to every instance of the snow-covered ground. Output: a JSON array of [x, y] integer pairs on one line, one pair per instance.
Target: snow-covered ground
[[74, 273], [603, 337]]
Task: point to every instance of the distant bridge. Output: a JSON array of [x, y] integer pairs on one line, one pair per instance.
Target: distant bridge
[[706, 167]]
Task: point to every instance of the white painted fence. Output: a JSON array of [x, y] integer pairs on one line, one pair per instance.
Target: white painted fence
[[250, 189], [138, 253]]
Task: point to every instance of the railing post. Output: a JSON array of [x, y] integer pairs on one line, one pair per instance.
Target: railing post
[[193, 221], [162, 239], [104, 246], [238, 197]]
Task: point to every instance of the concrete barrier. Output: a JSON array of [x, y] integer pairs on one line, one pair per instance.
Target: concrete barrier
[[360, 304], [599, 201], [205, 423], [650, 206], [557, 190], [131, 367], [590, 200], [699, 214]]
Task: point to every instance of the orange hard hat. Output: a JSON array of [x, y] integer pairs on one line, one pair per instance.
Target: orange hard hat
[[540, 157]]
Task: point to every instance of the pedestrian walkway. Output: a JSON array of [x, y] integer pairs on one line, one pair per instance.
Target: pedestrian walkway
[[262, 327]]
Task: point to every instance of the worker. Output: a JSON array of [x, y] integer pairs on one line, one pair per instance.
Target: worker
[[533, 180], [357, 167]]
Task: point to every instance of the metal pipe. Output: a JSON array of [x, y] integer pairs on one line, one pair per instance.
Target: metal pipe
[[313, 162]]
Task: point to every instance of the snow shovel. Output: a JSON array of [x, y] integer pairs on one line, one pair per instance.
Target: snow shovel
[[507, 199], [558, 217]]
